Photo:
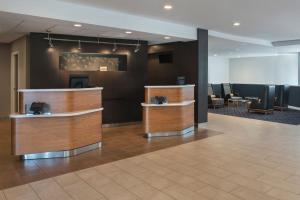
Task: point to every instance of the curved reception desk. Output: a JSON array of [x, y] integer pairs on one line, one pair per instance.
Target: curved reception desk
[[169, 119], [73, 125]]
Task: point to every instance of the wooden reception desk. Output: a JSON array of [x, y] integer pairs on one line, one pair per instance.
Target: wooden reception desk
[[73, 125], [173, 118]]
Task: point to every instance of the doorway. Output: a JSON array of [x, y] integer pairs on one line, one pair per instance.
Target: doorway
[[14, 82]]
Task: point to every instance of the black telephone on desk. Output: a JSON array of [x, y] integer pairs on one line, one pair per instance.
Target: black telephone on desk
[[39, 108], [159, 100]]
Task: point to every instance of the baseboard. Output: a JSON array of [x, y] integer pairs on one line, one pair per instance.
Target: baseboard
[[120, 124], [201, 125]]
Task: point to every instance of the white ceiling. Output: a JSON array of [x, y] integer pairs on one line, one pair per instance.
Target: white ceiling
[[12, 26], [271, 20], [232, 49]]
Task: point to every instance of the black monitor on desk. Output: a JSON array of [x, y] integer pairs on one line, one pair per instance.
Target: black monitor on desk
[[79, 81], [181, 80]]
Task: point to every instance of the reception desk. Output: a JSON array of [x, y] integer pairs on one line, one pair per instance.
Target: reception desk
[[73, 125], [173, 118]]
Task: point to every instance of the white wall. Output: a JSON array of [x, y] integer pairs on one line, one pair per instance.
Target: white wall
[[218, 70], [281, 69]]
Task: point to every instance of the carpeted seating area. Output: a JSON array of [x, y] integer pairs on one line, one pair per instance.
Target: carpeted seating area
[[286, 117]]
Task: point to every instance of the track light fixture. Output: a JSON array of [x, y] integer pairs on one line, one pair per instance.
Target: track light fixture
[[98, 41], [79, 45], [115, 48], [137, 48], [51, 46]]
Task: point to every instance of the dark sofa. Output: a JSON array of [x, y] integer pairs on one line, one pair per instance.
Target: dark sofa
[[249, 90], [294, 96], [281, 97], [285, 95]]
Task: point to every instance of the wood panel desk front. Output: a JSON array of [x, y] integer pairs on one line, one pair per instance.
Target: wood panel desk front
[[173, 118], [73, 127]]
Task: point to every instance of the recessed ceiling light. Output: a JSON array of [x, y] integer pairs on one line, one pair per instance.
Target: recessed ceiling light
[[215, 55], [167, 37], [168, 7], [236, 24], [77, 25], [128, 32]]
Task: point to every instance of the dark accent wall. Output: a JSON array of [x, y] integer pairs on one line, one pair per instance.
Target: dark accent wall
[[184, 61], [123, 91], [161, 74]]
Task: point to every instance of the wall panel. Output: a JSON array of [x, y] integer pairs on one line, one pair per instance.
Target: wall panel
[[123, 91]]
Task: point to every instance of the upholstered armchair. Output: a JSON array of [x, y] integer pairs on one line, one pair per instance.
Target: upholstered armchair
[[227, 92], [214, 101], [264, 104]]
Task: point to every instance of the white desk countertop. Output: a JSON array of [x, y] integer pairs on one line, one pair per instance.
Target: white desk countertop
[[184, 103], [69, 114], [61, 90], [169, 86]]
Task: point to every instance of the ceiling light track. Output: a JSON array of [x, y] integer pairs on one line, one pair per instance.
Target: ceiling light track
[[89, 41]]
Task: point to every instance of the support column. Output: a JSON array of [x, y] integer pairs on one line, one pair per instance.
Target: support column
[[202, 77], [298, 68]]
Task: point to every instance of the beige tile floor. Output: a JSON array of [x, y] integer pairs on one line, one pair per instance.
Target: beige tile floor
[[253, 160]]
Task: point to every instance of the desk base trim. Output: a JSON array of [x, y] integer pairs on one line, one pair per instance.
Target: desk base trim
[[171, 133], [62, 154]]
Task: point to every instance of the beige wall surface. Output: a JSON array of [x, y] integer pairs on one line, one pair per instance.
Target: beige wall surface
[[4, 80], [20, 46], [6, 50]]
